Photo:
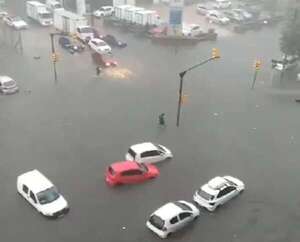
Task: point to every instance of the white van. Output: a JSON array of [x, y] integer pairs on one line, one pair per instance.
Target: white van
[[8, 85], [41, 194]]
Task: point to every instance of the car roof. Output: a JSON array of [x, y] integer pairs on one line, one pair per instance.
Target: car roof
[[121, 166], [146, 146], [5, 79], [97, 40], [217, 183], [168, 211], [35, 181]]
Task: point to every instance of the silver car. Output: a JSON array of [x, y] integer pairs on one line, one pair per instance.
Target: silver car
[[8, 85]]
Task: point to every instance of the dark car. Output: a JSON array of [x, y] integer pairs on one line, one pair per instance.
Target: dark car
[[112, 41], [66, 43], [100, 61]]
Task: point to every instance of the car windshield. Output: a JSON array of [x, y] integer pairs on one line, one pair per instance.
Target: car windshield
[[205, 195], [182, 206], [9, 83], [159, 147], [143, 167], [86, 30], [230, 182], [45, 15], [157, 222], [48, 195], [101, 43]]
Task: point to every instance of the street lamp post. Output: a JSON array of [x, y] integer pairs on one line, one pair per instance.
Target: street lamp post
[[53, 54], [215, 55]]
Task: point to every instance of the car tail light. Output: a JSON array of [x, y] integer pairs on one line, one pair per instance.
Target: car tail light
[[107, 64]]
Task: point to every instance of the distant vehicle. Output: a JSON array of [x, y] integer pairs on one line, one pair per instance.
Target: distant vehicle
[[42, 194], [129, 172], [192, 30], [203, 9], [8, 85], [3, 14], [85, 33], [234, 17], [148, 153], [99, 46], [67, 44], [104, 11], [53, 5], [222, 4], [217, 17], [99, 60], [112, 41], [246, 15], [15, 22], [74, 24], [39, 12], [290, 62], [218, 191], [172, 217]]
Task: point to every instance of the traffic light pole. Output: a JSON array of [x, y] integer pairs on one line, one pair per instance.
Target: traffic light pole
[[181, 75], [254, 79], [53, 54]]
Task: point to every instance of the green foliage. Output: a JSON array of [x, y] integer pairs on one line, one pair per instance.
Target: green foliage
[[290, 38]]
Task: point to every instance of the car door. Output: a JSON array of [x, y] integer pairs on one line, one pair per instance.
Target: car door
[[131, 176], [174, 224], [185, 218], [226, 194]]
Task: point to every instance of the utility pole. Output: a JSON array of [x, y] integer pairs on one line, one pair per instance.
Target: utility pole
[[215, 55], [54, 54]]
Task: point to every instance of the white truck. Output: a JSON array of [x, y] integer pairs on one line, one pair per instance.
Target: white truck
[[123, 2], [68, 22], [147, 17], [39, 12], [53, 5]]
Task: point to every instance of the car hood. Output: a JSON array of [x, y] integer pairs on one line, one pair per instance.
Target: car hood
[[19, 23], [54, 206], [153, 170]]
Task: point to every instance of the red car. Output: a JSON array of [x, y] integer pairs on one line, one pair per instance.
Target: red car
[[129, 172]]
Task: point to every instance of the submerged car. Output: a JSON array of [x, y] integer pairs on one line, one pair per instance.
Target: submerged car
[[129, 172], [148, 153], [217, 17], [15, 22], [172, 217], [99, 60], [112, 41], [67, 44], [8, 85], [99, 46], [42, 194], [218, 191]]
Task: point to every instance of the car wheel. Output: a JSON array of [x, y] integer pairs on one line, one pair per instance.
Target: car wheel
[[169, 234], [195, 218]]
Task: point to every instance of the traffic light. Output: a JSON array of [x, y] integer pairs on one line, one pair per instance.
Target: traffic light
[[257, 65], [215, 53], [184, 99], [54, 57]]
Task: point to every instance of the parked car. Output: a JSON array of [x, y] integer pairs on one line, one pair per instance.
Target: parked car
[[3, 14], [246, 15], [112, 41], [234, 17], [290, 62], [218, 191], [41, 194], [217, 17], [99, 46], [203, 9], [85, 33], [99, 60], [172, 217], [148, 153], [129, 172], [67, 44], [8, 85], [15, 22], [192, 30], [222, 4], [104, 11]]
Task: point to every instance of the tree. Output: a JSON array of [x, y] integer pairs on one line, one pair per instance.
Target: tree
[[290, 38]]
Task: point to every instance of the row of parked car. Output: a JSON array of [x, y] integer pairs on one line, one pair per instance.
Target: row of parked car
[[40, 192]]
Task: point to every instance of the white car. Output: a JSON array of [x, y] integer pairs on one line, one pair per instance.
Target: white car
[[172, 217], [8, 85], [15, 22], [99, 46], [218, 191], [41, 194], [148, 153], [85, 33], [104, 11], [3, 14], [192, 30], [246, 15], [202, 9], [222, 4], [217, 17]]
